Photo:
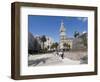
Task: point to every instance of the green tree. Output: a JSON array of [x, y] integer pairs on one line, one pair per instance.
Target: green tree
[[54, 45], [76, 34], [66, 46], [69, 46]]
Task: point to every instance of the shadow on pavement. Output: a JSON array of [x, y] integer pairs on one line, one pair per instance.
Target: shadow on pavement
[[37, 61]]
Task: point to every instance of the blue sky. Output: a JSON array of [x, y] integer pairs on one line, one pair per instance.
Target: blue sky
[[50, 25]]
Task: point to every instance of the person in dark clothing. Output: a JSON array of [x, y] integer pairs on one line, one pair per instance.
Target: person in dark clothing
[[62, 54]]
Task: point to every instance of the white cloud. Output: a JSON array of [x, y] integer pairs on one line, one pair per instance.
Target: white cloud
[[84, 32]]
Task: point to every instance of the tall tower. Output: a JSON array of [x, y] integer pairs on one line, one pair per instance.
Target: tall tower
[[62, 34]]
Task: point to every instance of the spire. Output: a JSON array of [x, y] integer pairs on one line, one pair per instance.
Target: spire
[[62, 22], [62, 29]]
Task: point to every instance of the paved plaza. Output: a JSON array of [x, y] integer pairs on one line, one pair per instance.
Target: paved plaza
[[70, 58]]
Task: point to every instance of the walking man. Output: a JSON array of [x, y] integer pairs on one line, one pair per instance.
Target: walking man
[[62, 54]]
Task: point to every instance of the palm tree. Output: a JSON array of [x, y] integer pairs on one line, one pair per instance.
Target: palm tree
[[43, 39]]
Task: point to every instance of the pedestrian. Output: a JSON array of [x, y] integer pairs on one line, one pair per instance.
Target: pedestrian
[[62, 55]]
